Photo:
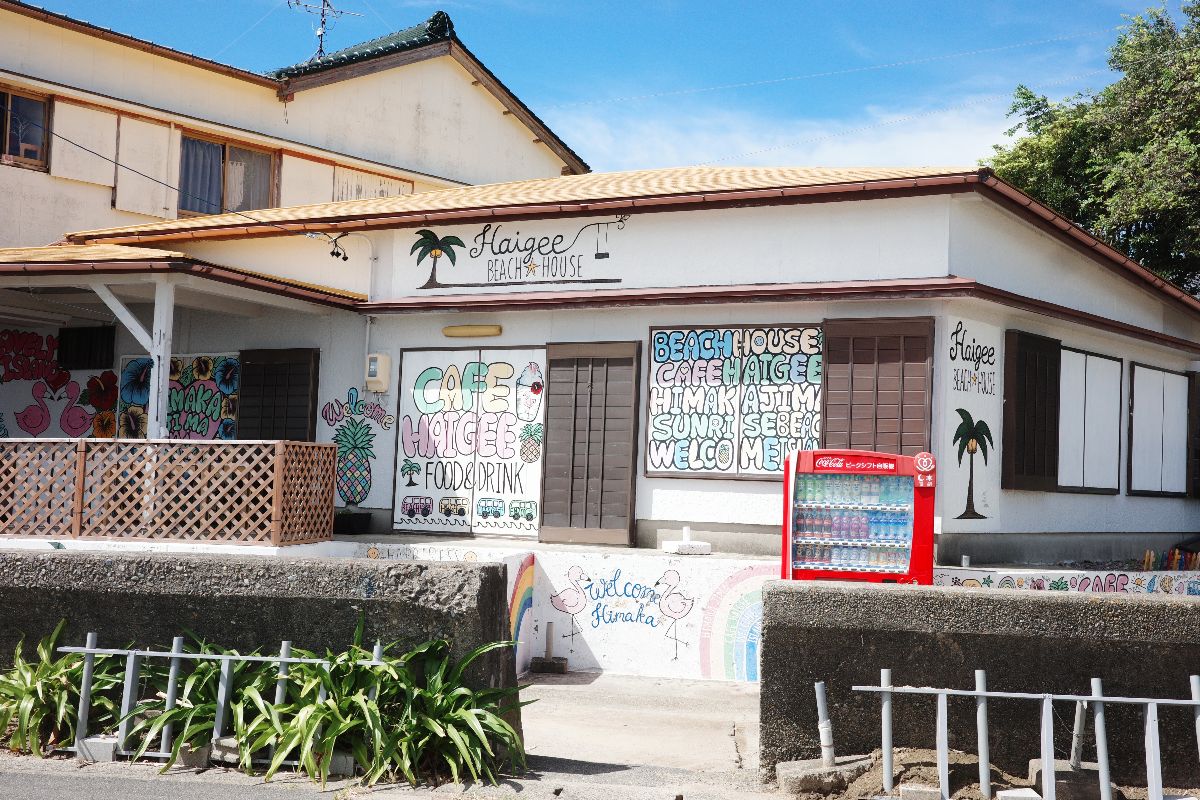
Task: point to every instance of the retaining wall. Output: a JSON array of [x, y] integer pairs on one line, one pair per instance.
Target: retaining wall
[[844, 633], [253, 602]]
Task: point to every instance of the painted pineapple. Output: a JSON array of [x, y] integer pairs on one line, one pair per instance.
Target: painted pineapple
[[354, 440], [531, 443]]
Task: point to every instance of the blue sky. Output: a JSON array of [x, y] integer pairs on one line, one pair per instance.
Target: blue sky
[[619, 81]]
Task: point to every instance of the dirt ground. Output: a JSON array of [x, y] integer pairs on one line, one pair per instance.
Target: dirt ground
[[920, 766]]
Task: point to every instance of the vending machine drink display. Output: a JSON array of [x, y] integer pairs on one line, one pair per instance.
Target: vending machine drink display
[[858, 515]]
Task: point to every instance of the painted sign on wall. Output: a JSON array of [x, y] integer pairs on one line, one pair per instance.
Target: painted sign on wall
[[732, 401], [1129, 582], [38, 398], [974, 410], [471, 429], [201, 396], [356, 422]]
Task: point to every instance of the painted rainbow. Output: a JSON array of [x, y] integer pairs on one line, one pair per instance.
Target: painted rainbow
[[522, 596]]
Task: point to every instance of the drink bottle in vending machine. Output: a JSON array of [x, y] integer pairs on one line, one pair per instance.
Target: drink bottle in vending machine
[[858, 515]]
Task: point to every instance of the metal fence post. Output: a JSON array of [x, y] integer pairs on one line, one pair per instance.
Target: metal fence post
[[1048, 776], [1101, 739], [224, 685], [128, 699], [285, 652], [1195, 682], [943, 746], [1077, 734], [824, 726], [168, 729], [885, 699], [981, 732], [85, 694], [376, 655], [1154, 787]]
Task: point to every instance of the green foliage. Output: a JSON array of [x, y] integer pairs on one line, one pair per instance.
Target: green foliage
[[971, 431], [410, 467], [355, 436], [39, 700], [1124, 161]]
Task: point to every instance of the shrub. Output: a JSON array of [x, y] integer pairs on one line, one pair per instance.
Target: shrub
[[39, 700]]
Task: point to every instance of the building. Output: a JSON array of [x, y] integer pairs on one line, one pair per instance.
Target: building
[[605, 358], [411, 111]]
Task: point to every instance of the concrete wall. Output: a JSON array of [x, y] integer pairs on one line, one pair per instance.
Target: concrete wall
[[253, 602], [843, 634]]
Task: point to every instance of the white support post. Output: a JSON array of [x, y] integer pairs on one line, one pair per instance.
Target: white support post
[[160, 355], [121, 312]]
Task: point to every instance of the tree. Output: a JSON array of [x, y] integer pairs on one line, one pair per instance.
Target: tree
[[429, 244], [408, 469], [972, 437], [1124, 162]]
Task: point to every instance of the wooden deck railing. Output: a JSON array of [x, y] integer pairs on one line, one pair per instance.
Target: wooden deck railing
[[231, 492]]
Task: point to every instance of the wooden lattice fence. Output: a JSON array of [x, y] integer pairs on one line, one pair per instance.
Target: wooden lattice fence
[[254, 492]]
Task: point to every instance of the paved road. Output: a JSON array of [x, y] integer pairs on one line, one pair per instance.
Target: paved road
[[589, 737]]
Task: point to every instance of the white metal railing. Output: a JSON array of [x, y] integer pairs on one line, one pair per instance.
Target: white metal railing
[[1095, 701], [129, 690]]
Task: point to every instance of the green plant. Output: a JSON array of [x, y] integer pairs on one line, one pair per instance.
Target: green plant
[[195, 711], [39, 700]]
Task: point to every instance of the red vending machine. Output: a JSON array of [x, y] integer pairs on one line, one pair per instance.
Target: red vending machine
[[858, 515]]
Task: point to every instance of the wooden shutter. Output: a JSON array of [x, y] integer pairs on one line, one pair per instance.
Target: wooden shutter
[[591, 433], [278, 394], [1031, 405], [877, 385]]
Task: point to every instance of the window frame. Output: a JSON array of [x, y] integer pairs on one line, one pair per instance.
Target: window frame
[[1120, 384], [42, 164], [226, 143], [1129, 490]]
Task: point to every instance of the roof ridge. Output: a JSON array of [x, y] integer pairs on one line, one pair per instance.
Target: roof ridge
[[438, 28]]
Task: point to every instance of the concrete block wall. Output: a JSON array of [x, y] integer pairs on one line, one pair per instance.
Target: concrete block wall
[[844, 633]]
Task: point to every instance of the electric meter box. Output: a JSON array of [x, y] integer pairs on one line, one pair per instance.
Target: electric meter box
[[379, 367]]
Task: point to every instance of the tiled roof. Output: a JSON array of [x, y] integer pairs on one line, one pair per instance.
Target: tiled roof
[[76, 254], [437, 28], [594, 187]]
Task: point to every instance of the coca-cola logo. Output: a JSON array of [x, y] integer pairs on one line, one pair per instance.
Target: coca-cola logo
[[830, 462]]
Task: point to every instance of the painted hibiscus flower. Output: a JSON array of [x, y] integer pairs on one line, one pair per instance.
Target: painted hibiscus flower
[[227, 429], [202, 368], [135, 382], [229, 407], [133, 423], [228, 374], [104, 425], [176, 368], [102, 391]]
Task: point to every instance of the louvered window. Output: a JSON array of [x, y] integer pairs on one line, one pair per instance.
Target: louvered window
[[591, 425], [1032, 366], [278, 396], [877, 385]]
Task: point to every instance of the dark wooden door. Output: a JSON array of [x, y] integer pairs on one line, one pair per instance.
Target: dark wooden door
[[878, 385], [591, 434], [278, 394]]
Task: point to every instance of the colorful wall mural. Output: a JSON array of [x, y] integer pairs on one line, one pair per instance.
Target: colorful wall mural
[[38, 398], [732, 626], [732, 400], [355, 423], [469, 454], [970, 474], [1178, 583], [201, 396]]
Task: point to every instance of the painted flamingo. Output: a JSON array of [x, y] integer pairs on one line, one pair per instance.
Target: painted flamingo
[[74, 420], [35, 419], [573, 599], [672, 604]]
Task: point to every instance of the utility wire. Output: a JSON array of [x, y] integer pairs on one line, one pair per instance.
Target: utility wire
[[829, 73], [242, 35], [332, 240]]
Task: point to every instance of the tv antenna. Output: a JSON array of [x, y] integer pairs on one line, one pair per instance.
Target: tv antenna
[[327, 13]]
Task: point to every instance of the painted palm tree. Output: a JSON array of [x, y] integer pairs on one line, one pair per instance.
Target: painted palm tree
[[971, 436], [430, 244], [408, 469]]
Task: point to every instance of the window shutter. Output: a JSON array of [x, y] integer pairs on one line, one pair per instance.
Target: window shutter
[[278, 394], [86, 348], [877, 376], [1031, 403], [1193, 477]]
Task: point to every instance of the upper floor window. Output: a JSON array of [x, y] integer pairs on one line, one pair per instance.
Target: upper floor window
[[23, 129], [216, 176]]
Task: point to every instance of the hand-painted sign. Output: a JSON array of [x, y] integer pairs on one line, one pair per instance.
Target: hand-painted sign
[[503, 254], [974, 406], [732, 401], [201, 396], [353, 422], [40, 398], [470, 441]]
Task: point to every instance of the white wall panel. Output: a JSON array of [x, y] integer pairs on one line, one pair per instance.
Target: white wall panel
[[144, 147], [1071, 388], [1175, 433], [1102, 424], [87, 128], [302, 182], [1146, 454], [351, 184]]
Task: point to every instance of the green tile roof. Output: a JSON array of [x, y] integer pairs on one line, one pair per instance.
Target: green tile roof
[[437, 28]]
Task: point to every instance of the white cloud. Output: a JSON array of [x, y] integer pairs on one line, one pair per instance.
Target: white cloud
[[621, 138]]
